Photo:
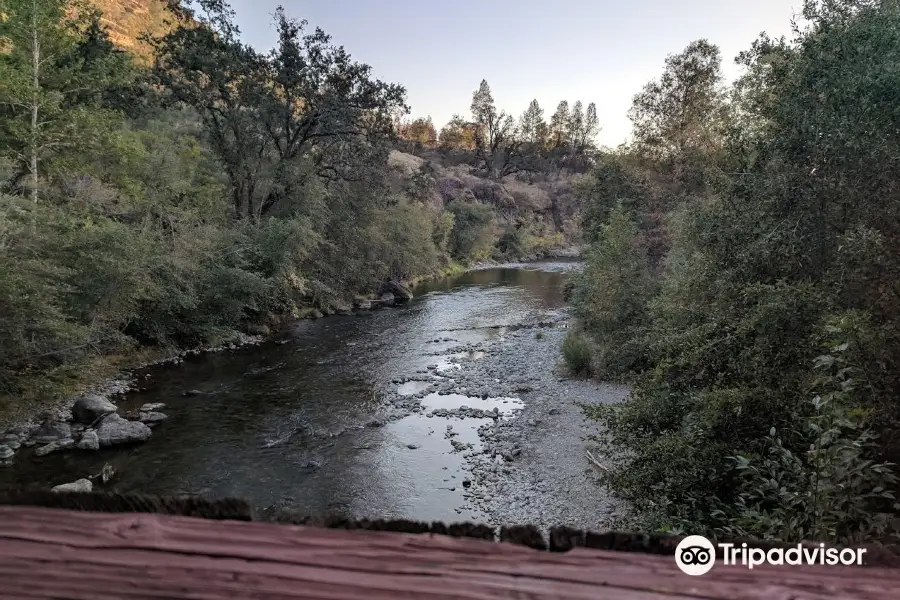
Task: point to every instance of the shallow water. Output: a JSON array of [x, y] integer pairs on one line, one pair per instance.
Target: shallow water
[[285, 424]]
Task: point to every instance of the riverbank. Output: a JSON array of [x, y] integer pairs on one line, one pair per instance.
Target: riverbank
[[109, 374], [451, 407]]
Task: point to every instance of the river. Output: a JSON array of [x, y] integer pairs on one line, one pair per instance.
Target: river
[[338, 414]]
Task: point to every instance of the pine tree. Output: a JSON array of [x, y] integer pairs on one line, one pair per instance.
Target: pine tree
[[533, 127], [59, 62], [559, 125]]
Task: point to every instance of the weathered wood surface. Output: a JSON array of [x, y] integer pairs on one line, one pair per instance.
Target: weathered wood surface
[[50, 553]]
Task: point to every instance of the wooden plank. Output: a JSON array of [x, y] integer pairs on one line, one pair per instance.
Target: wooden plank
[[49, 553]]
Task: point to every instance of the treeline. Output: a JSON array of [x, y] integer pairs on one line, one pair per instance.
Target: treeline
[[744, 274], [501, 145], [218, 191]]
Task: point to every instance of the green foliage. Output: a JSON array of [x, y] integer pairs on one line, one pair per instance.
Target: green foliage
[[787, 210], [53, 79], [511, 243], [264, 112], [833, 491], [576, 351], [442, 227], [472, 234], [611, 295], [134, 243]]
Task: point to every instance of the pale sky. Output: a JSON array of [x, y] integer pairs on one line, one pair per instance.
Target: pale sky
[[598, 51]]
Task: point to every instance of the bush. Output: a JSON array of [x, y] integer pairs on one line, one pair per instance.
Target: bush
[[611, 294], [576, 351], [472, 234]]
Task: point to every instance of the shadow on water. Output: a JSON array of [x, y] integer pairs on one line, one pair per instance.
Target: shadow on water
[[285, 424]]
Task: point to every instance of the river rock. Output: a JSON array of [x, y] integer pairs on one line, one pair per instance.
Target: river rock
[[82, 486], [6, 452], [54, 446], [115, 430], [387, 299], [191, 393], [90, 407], [89, 441], [340, 308], [153, 418], [51, 431], [153, 406], [396, 289], [364, 304]]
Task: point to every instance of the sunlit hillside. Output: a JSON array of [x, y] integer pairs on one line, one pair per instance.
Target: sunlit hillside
[[128, 19]]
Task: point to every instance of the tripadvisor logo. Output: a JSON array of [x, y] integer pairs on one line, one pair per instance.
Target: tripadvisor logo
[[696, 555]]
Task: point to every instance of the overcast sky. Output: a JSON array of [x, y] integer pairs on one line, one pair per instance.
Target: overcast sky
[[591, 50]]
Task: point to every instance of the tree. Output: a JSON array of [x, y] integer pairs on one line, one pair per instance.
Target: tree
[[59, 62], [575, 128], [498, 145], [559, 126], [532, 125], [591, 127], [675, 115], [420, 130], [458, 133], [305, 107]]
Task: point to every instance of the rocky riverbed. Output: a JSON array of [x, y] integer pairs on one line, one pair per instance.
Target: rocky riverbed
[[529, 465], [452, 406]]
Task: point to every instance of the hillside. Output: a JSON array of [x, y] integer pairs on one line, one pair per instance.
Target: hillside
[[543, 210], [128, 19]]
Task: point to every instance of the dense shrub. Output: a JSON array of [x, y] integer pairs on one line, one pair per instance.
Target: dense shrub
[[472, 234], [782, 210]]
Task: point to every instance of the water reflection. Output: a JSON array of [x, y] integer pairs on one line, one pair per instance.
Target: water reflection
[[285, 424]]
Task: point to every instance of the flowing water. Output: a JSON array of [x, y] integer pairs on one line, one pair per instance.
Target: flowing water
[[302, 422]]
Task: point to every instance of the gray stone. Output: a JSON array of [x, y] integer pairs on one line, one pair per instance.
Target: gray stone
[[90, 407], [115, 430], [398, 290], [89, 441], [54, 446], [553, 411], [82, 485], [153, 406], [364, 304], [412, 446], [52, 431], [153, 418], [387, 299], [6, 452]]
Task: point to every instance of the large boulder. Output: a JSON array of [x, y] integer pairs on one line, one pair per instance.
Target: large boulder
[[82, 485], [400, 291], [89, 441], [387, 299], [114, 430], [52, 431], [91, 407]]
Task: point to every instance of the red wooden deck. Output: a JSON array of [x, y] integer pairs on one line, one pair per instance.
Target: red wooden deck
[[50, 553]]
